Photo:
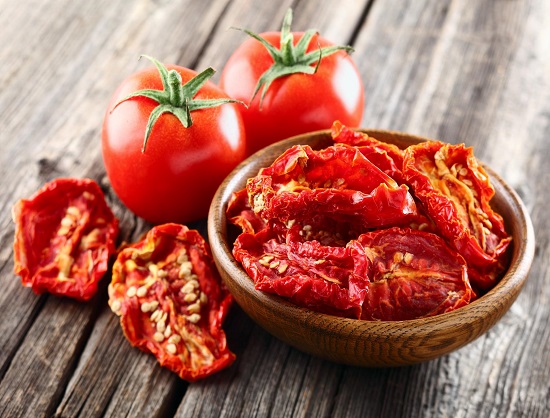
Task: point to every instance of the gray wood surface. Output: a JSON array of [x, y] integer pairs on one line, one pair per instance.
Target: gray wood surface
[[473, 71]]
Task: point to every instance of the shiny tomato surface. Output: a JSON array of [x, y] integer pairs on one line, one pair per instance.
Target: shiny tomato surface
[[176, 176], [296, 103]]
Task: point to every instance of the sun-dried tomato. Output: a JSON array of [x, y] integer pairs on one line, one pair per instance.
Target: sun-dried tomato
[[387, 157], [455, 191], [64, 237], [324, 278], [413, 274], [338, 182], [172, 302], [390, 274]]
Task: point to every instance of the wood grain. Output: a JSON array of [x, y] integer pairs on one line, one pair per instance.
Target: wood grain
[[472, 71]]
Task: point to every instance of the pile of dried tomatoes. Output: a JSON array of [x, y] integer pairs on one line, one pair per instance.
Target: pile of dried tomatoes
[[363, 229]]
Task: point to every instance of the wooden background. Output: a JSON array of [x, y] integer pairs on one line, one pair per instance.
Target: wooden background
[[473, 71]]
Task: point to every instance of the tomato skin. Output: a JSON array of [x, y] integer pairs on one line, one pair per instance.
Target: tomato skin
[[297, 103], [176, 177], [64, 237]]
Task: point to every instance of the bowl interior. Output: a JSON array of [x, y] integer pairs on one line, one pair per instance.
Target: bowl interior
[[368, 343]]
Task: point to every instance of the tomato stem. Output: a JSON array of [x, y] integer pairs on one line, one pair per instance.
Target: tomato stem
[[175, 98], [175, 88], [290, 58]]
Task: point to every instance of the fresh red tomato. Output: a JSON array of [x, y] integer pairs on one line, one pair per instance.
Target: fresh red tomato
[[307, 92], [169, 138], [64, 237]]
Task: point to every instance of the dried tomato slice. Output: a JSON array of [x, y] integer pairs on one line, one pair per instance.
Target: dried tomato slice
[[64, 236], [172, 302], [387, 157], [337, 181], [455, 191], [413, 274], [323, 278]]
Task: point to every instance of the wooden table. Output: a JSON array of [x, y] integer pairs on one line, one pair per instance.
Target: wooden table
[[462, 71]]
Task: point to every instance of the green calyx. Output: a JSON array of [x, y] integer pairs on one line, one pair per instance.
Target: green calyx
[[290, 58], [175, 98]]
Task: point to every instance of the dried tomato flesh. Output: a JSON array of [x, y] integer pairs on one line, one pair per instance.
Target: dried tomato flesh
[[455, 191], [312, 275], [387, 157], [413, 274], [390, 274], [64, 237], [172, 302], [338, 182]]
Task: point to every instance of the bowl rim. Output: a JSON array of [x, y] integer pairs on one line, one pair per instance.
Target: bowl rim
[[507, 288]]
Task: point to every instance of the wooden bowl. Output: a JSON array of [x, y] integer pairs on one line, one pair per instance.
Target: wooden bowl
[[368, 343]]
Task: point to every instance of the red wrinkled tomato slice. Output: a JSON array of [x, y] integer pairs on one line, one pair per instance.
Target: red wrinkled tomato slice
[[338, 182], [387, 157], [64, 237], [413, 274], [323, 278], [455, 192], [172, 302]]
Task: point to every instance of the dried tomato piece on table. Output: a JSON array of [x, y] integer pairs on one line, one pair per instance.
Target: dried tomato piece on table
[[455, 191], [64, 236], [172, 302], [338, 182], [413, 274]]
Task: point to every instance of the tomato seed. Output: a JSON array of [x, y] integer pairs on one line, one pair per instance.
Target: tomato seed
[[182, 257], [398, 257], [194, 308], [190, 297], [185, 269], [158, 337], [131, 292], [187, 288], [115, 306], [155, 316], [171, 348], [194, 318], [161, 326], [73, 211], [142, 291], [174, 339]]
